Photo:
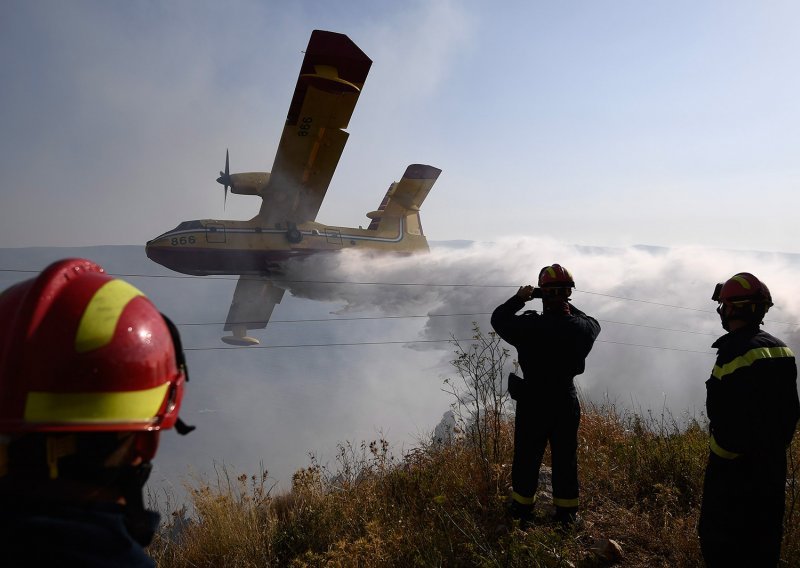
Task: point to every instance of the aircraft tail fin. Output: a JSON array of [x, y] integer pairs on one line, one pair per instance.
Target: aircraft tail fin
[[404, 198]]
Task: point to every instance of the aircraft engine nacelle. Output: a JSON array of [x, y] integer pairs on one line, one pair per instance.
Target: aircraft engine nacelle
[[249, 183]]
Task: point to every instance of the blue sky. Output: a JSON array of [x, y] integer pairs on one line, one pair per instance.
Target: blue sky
[[605, 123]]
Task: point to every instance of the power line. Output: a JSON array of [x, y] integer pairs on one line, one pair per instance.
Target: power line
[[421, 284], [359, 318], [288, 280], [655, 347], [645, 301], [659, 328], [354, 318], [317, 320], [348, 344], [358, 343]]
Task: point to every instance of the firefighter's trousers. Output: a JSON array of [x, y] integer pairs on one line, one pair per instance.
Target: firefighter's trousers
[[543, 418], [741, 516]]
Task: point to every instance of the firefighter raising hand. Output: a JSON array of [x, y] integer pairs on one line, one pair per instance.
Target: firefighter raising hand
[[525, 293], [551, 348]]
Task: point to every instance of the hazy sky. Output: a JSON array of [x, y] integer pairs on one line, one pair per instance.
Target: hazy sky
[[596, 122], [602, 123]]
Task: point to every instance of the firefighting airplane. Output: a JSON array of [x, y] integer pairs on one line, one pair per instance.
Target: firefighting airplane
[[331, 78]]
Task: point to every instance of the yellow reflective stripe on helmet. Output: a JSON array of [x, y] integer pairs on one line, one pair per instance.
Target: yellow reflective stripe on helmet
[[742, 281], [566, 502], [94, 407], [522, 500], [100, 318], [720, 451], [749, 358]]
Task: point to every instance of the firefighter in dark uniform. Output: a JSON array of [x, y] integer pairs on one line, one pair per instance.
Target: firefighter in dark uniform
[[90, 373], [753, 408], [551, 349]]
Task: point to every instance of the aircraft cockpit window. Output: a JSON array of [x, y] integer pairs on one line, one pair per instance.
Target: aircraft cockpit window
[[186, 225]]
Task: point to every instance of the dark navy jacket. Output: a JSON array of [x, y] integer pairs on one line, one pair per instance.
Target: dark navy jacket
[[551, 348], [751, 396], [91, 536]]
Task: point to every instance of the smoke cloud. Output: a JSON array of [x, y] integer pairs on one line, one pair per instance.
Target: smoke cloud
[[653, 304], [269, 407]]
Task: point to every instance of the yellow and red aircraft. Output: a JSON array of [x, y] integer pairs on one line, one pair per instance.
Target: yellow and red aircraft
[[331, 77]]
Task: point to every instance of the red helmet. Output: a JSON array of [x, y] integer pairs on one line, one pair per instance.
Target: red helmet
[[82, 351], [555, 276], [741, 289]]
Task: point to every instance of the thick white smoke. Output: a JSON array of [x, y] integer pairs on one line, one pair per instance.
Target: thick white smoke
[[653, 304], [271, 406]]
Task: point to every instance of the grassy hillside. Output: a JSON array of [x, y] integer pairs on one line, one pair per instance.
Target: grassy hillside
[[443, 503]]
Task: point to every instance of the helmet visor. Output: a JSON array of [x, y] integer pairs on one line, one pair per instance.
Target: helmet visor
[[717, 291]]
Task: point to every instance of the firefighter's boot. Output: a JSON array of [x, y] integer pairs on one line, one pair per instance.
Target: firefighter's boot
[[568, 518], [521, 512]]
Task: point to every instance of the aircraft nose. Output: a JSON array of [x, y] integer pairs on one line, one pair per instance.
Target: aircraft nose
[[154, 252]]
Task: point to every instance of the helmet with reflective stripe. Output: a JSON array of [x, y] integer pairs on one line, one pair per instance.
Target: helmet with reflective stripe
[[82, 351], [555, 276], [741, 289]]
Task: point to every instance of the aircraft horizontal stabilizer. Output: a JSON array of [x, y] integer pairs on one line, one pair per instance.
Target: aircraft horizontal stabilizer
[[421, 171], [407, 195]]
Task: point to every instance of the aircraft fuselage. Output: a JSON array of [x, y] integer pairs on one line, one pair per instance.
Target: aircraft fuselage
[[212, 247]]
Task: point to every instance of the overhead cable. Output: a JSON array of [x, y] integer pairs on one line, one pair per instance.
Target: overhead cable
[[360, 318], [355, 343], [421, 284]]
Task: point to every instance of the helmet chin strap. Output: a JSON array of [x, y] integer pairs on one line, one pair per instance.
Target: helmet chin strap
[[723, 317]]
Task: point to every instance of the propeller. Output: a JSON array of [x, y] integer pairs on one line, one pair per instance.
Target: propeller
[[225, 179]]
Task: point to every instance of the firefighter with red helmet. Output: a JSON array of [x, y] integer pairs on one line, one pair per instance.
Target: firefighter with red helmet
[[753, 408], [90, 374], [552, 348]]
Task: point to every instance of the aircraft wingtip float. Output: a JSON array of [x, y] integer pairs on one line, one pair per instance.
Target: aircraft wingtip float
[[331, 77]]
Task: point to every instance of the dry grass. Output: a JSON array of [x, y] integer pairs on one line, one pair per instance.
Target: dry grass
[[641, 481]]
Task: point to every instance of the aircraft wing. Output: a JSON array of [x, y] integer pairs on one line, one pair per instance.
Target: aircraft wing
[[253, 302], [333, 72]]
